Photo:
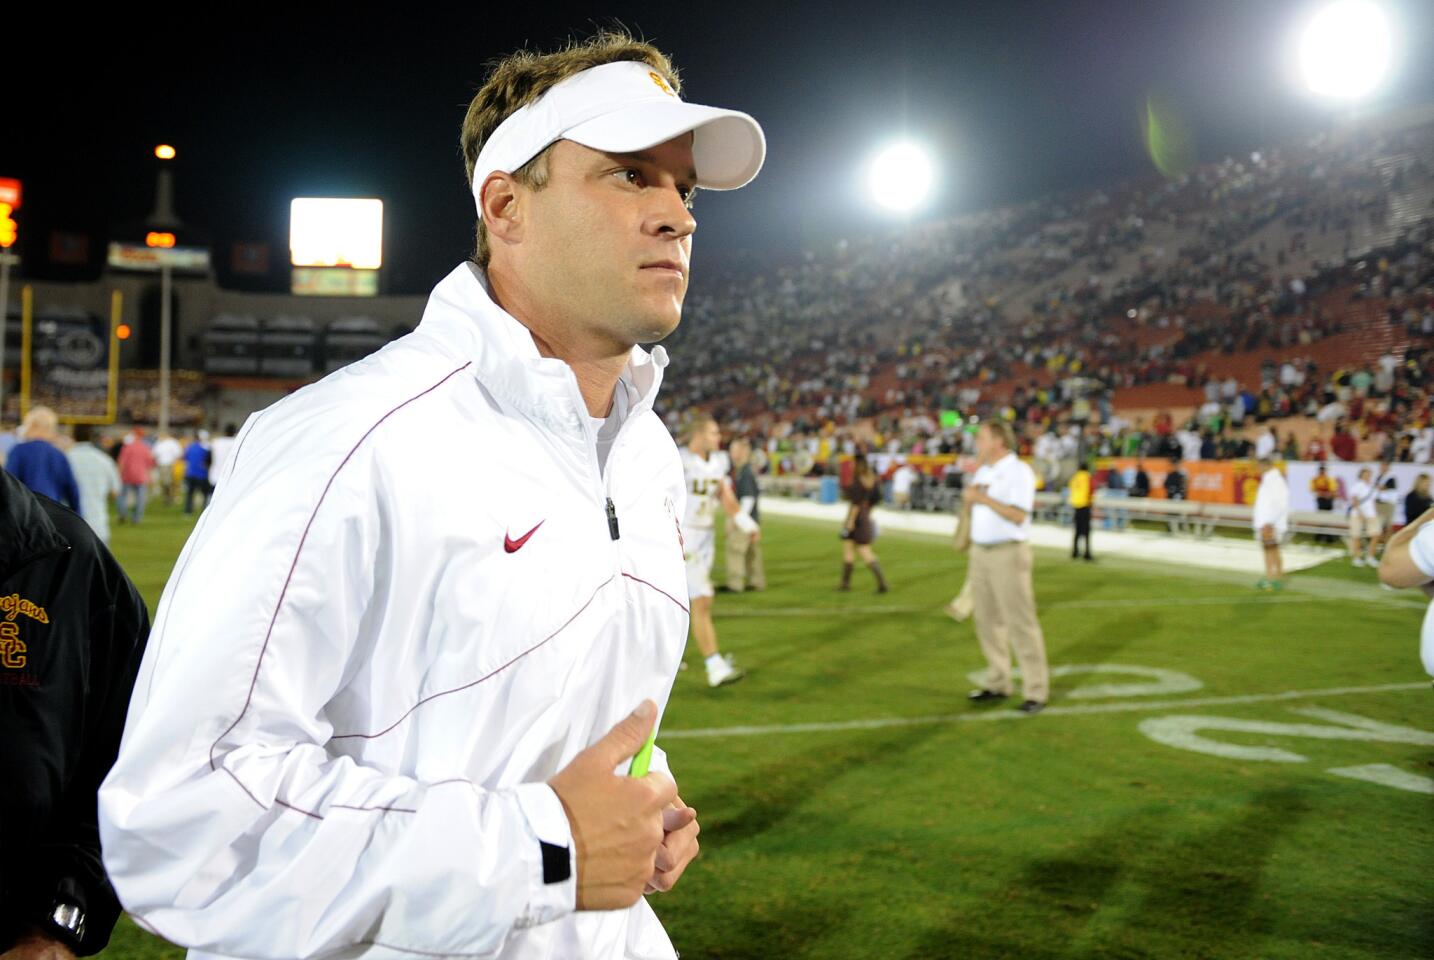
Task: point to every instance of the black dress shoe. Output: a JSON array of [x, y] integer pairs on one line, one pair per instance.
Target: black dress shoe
[[1031, 707], [985, 696]]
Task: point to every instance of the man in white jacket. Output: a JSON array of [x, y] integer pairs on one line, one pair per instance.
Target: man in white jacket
[[1271, 520], [396, 681]]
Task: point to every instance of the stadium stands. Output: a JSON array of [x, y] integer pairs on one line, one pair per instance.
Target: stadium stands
[[1296, 274]]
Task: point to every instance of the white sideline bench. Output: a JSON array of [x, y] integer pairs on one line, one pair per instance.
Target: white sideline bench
[[1192, 516]]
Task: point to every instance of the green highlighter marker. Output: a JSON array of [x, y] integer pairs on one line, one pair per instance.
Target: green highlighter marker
[[643, 758]]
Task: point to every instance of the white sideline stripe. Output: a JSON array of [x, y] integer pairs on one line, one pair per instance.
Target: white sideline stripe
[[989, 715], [1228, 554], [721, 613]]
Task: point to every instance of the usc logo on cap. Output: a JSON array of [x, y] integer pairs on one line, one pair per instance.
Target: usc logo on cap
[[661, 83]]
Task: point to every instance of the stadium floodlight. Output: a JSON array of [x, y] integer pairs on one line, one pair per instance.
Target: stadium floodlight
[[328, 232], [901, 177], [1345, 50], [164, 152]]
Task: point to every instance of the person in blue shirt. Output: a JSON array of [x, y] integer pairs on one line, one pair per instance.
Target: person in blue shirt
[[39, 464], [196, 471]]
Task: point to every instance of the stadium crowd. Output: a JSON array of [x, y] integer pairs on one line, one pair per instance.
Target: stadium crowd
[[1041, 313]]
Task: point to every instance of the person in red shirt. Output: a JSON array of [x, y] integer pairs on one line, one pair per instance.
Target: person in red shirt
[[1315, 449], [136, 463], [1343, 444]]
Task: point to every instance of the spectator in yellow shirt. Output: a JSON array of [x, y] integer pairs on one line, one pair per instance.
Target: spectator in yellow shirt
[[1325, 490], [1079, 497]]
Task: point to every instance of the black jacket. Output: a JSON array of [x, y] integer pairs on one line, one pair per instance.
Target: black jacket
[[72, 631]]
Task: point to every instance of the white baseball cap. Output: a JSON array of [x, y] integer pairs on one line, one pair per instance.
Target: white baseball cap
[[624, 107]]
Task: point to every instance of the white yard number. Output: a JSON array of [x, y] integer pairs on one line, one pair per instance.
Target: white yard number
[[1185, 732]]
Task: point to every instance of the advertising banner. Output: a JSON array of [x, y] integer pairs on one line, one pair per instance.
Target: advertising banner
[[69, 363], [1208, 481]]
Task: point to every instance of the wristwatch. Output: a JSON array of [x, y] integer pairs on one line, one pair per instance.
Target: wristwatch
[[68, 920]]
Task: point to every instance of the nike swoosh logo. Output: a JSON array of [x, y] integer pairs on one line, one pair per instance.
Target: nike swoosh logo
[[513, 546]]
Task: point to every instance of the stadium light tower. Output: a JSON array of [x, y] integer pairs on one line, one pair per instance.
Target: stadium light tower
[[1345, 50], [164, 219], [901, 178]]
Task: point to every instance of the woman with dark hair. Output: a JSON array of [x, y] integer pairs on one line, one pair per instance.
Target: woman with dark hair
[[858, 531]]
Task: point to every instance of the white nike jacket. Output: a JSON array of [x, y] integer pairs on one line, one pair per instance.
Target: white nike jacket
[[412, 600]]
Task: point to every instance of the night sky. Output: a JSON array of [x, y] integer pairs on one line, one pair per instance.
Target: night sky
[[1018, 98]]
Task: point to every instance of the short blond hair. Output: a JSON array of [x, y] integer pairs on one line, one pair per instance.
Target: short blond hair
[[1003, 431], [521, 78], [695, 420]]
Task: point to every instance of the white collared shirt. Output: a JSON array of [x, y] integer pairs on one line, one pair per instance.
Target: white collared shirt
[[1361, 500], [1272, 500], [1007, 481]]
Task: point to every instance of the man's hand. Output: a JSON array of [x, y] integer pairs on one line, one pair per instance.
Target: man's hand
[[679, 846], [34, 945], [617, 821]]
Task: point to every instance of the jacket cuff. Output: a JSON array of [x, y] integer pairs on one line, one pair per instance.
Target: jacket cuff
[[94, 897], [549, 899]]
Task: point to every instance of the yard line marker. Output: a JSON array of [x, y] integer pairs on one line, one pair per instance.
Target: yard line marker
[[988, 715], [1387, 776], [1094, 604]]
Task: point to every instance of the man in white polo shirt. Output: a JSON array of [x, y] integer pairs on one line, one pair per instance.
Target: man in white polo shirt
[[1002, 497], [1271, 520], [1363, 520]]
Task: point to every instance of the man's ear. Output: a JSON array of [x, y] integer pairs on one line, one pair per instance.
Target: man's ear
[[502, 208]]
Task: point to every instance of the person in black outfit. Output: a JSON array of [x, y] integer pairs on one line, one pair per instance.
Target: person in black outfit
[[745, 569], [1141, 486], [1418, 500], [858, 531], [1176, 486], [72, 632]]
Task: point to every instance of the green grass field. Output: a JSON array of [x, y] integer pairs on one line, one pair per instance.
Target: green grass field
[[904, 823]]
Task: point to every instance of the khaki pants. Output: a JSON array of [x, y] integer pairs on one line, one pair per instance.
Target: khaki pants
[[1000, 578], [744, 560], [1361, 527]]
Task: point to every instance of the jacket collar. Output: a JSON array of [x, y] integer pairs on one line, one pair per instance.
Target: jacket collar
[[26, 531], [461, 313]]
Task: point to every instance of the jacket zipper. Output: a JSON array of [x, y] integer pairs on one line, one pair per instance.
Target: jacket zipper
[[612, 519], [606, 477], [599, 478]]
